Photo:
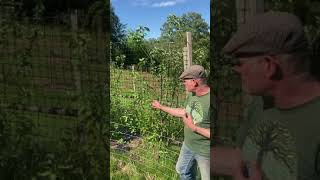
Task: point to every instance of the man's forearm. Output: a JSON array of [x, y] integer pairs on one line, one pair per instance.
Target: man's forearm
[[225, 160], [177, 112], [202, 131]]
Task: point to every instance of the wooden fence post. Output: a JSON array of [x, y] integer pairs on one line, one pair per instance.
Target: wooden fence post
[[187, 53], [245, 10], [189, 48], [248, 8], [75, 60], [74, 20], [185, 58]]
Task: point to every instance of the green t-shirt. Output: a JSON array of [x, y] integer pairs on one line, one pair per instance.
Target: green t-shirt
[[285, 142], [253, 107], [198, 107]]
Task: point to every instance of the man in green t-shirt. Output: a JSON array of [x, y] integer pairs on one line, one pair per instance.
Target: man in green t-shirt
[[281, 143], [196, 146]]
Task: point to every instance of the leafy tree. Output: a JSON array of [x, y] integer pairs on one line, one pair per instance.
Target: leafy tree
[[174, 29], [136, 43], [117, 28], [176, 26], [97, 15], [117, 37]]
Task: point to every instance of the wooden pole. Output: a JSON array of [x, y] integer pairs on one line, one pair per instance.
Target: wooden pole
[[189, 48], [187, 53], [75, 60], [74, 20], [185, 58], [245, 10], [248, 8]]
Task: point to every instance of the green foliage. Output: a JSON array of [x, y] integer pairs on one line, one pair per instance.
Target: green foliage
[[117, 28], [85, 155], [132, 114], [136, 45], [175, 28], [223, 78], [38, 10], [158, 55], [117, 40], [120, 60], [132, 117], [134, 38], [17, 146], [131, 49], [97, 15], [25, 154]]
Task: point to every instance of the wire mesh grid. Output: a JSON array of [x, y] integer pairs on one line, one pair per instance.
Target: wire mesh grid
[[50, 75], [37, 70], [132, 90]]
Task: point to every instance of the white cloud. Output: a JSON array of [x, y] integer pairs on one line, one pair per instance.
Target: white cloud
[[157, 3], [164, 4]]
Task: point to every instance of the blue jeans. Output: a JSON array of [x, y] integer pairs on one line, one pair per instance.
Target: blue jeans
[[186, 165]]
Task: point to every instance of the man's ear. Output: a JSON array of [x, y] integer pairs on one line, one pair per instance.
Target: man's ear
[[196, 82], [272, 67]]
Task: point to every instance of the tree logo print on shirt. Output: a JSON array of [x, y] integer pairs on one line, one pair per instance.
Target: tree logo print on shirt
[[275, 147], [195, 109]]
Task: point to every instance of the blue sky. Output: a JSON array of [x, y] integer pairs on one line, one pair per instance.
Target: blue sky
[[153, 13]]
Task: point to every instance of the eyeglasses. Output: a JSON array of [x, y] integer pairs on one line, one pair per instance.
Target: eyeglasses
[[183, 80]]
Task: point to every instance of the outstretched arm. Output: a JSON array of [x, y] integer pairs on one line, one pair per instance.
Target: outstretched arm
[[177, 112]]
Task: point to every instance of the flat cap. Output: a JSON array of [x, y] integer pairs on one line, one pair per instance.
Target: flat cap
[[193, 72], [268, 33]]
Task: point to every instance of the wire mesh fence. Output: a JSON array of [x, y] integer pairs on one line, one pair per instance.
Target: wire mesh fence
[[51, 77], [144, 157], [158, 73], [230, 109], [133, 120], [39, 73]]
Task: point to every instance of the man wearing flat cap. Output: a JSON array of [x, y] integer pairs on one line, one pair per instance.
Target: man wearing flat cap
[[270, 53], [196, 146]]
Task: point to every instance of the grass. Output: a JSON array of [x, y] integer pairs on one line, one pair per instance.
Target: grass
[[140, 159]]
